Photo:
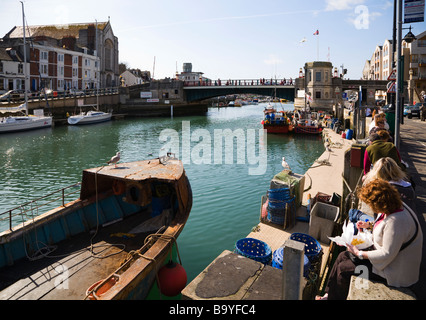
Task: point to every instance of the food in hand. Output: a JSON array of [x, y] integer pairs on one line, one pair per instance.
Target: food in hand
[[356, 241]]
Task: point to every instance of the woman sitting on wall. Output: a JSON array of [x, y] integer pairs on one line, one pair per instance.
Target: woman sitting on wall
[[396, 253], [380, 147]]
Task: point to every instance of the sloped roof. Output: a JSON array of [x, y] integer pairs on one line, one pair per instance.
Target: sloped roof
[[58, 31]]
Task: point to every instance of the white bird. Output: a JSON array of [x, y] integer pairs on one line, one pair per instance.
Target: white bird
[[327, 146], [285, 164], [115, 159], [303, 40]]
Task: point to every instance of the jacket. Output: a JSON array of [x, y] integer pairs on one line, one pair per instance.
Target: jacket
[[400, 268], [380, 149]]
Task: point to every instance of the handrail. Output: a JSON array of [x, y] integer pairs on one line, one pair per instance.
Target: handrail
[[22, 210], [55, 95], [240, 82]]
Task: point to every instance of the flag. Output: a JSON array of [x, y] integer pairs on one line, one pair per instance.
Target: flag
[[316, 33]]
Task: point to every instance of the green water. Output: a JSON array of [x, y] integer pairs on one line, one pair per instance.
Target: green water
[[226, 196]]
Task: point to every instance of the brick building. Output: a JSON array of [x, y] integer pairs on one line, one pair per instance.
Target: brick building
[[72, 56]]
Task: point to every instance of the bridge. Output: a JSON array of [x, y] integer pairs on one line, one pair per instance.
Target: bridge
[[201, 90]]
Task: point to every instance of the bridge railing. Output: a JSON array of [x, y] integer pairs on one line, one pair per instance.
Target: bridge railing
[[239, 82]]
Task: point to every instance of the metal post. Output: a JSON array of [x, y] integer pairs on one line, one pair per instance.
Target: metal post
[[399, 76], [293, 263]]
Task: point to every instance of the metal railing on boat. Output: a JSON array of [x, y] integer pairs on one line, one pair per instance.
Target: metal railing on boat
[[55, 198]]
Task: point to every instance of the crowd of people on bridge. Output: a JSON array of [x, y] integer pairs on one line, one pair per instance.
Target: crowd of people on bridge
[[258, 82]]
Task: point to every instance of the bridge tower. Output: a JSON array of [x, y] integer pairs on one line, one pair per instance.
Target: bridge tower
[[318, 87]]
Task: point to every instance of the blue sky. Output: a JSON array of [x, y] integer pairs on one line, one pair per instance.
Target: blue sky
[[227, 39]]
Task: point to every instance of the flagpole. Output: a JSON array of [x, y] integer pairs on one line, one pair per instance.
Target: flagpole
[[317, 47]]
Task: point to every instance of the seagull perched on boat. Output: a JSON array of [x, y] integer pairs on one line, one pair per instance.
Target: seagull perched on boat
[[285, 164], [115, 159]]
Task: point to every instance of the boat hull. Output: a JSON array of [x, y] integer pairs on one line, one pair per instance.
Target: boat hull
[[308, 130], [81, 120], [279, 128], [25, 124], [105, 248]]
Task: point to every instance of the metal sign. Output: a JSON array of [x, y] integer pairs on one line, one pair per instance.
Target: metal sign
[[392, 76], [391, 87], [414, 11]]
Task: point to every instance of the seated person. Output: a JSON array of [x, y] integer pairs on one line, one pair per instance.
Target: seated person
[[396, 253], [380, 147]]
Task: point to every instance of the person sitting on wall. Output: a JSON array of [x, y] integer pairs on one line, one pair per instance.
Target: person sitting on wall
[[380, 147], [396, 253], [378, 123]]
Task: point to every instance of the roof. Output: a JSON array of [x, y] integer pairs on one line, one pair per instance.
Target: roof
[[5, 55], [58, 31]]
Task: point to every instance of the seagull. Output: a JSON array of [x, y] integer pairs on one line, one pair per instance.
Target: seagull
[[115, 159], [303, 40], [327, 146], [285, 164]]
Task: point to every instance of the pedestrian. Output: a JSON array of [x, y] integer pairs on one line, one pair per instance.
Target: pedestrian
[[379, 121], [380, 147], [396, 253]]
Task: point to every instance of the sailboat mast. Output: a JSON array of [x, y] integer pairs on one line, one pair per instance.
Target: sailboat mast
[[25, 61]]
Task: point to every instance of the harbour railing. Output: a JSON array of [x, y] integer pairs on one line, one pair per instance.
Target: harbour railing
[[30, 210], [239, 82], [15, 96]]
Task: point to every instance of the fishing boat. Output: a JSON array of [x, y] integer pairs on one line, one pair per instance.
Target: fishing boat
[[276, 121], [308, 123], [305, 128], [89, 117], [111, 243], [23, 122]]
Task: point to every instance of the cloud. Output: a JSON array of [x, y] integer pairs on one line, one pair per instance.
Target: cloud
[[338, 5]]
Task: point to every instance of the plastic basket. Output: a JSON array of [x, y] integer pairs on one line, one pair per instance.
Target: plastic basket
[[277, 261], [254, 249], [312, 246]]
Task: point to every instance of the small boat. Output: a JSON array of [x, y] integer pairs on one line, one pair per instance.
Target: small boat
[[109, 244], [90, 117], [25, 122], [231, 104], [307, 126], [276, 121]]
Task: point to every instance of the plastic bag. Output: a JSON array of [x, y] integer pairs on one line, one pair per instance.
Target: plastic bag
[[362, 240]]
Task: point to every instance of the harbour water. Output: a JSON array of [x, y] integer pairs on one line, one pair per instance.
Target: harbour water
[[227, 197]]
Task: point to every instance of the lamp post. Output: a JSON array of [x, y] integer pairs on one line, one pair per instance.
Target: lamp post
[[409, 37]]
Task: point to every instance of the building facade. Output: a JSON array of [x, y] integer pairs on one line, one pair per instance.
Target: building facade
[[11, 70], [78, 55]]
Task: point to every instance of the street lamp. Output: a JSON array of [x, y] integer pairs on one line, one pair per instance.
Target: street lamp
[[409, 37]]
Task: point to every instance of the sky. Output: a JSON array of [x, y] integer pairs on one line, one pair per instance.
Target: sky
[[227, 39]]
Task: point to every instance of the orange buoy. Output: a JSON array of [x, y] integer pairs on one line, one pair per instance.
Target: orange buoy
[[172, 278]]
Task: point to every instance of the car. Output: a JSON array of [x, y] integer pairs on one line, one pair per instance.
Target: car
[[414, 111], [76, 92], [406, 108]]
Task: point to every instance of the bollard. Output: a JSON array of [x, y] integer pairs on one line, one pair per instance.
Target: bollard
[[293, 261]]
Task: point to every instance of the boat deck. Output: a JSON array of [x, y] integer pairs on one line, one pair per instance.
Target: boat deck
[[74, 266]]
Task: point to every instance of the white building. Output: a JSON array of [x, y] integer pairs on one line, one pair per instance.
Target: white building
[[130, 78], [11, 70]]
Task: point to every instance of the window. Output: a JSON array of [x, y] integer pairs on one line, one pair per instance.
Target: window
[[43, 69], [1, 66], [60, 70], [318, 95], [74, 72], [60, 58], [317, 76], [44, 55], [75, 60], [20, 68]]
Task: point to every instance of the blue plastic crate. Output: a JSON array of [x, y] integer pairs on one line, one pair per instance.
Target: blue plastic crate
[[312, 246], [254, 249]]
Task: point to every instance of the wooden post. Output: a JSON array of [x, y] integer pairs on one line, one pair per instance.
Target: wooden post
[[293, 263]]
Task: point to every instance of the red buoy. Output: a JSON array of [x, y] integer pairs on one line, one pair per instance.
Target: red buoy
[[172, 278]]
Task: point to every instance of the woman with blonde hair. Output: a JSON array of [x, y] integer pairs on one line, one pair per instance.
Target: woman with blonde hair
[[387, 169], [396, 253]]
